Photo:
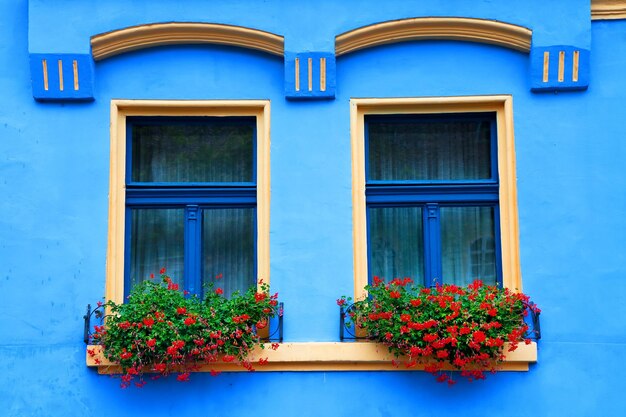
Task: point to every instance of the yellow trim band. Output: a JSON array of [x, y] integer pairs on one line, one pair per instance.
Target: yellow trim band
[[326, 356], [509, 228], [423, 28], [117, 42], [120, 110]]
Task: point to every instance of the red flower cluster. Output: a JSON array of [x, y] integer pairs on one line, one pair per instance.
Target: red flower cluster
[[160, 330], [465, 327]]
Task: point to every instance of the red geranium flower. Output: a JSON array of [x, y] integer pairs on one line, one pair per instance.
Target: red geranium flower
[[479, 336], [184, 377]]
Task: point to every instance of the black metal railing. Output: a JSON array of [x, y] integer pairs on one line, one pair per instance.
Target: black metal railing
[[96, 317], [347, 327], [348, 331]]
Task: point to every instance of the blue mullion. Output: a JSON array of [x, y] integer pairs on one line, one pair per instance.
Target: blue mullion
[[483, 187], [432, 245], [191, 185], [193, 249], [127, 241], [431, 183], [175, 202], [177, 196], [447, 199], [496, 226]]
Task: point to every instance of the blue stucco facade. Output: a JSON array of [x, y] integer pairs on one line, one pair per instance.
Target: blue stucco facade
[[54, 182]]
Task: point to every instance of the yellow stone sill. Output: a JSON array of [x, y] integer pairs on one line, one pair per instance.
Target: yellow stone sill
[[325, 356]]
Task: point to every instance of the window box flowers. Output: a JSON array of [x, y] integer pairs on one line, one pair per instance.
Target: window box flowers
[[468, 329], [160, 330]]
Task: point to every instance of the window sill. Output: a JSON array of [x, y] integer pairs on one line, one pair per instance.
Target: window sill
[[325, 356]]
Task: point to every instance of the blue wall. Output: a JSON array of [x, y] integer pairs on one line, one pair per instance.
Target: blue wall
[[54, 183]]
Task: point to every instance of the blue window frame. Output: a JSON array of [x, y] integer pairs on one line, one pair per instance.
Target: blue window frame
[[432, 196], [191, 201]]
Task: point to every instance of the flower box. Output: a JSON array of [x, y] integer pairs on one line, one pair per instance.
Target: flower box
[[324, 356]]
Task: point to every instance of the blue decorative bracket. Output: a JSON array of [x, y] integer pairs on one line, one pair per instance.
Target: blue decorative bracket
[[310, 75], [559, 68], [62, 77]]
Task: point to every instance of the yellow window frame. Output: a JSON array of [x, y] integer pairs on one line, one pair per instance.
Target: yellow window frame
[[502, 105], [120, 110]]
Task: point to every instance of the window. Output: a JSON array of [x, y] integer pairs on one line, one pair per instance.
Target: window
[[434, 190], [189, 191], [432, 197], [191, 201]]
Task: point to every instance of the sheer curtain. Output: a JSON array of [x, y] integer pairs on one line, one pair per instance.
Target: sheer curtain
[[229, 251], [157, 241], [194, 152], [436, 152], [467, 245], [429, 151], [396, 243]]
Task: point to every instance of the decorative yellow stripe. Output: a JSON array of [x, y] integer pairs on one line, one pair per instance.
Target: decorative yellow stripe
[[451, 28], [310, 62], [75, 68], [575, 66], [561, 66], [325, 356], [546, 66], [322, 74], [60, 75], [608, 9], [132, 38], [44, 64], [297, 74]]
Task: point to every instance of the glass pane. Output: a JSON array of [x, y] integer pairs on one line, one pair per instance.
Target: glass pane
[[228, 249], [429, 150], [396, 243], [157, 240], [202, 151], [468, 245]]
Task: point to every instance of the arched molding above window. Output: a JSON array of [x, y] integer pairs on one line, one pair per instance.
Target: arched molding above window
[[426, 28], [132, 38], [608, 9]]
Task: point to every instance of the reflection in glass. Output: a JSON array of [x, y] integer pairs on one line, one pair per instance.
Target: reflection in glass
[[468, 245], [229, 249], [198, 151], [429, 150], [157, 241], [396, 243]]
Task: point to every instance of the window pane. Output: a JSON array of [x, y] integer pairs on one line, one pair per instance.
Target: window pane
[[468, 245], [396, 243], [157, 241], [202, 151], [429, 150], [228, 249]]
